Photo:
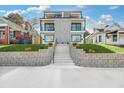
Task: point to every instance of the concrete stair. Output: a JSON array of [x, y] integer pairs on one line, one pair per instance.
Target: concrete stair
[[62, 55]]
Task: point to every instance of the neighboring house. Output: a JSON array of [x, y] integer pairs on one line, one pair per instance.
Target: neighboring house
[[11, 33], [27, 26], [89, 38], [36, 38], [98, 35], [36, 35], [64, 26], [113, 34]]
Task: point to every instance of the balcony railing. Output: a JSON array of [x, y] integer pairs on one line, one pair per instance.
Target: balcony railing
[[54, 17], [49, 29]]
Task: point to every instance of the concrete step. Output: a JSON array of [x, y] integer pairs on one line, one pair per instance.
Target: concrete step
[[62, 58], [63, 61], [63, 64], [62, 55]]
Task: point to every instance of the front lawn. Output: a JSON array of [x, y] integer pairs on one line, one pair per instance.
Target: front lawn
[[93, 48], [23, 47], [115, 49]]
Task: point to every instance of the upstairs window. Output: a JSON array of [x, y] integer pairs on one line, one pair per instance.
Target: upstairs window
[[76, 27], [49, 27]]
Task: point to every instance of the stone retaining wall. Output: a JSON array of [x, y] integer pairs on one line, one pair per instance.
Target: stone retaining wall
[[81, 58], [38, 58]]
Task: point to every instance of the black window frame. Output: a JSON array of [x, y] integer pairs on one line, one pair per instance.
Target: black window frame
[[1, 34], [100, 38], [74, 26], [52, 28], [48, 35], [113, 38], [75, 41]]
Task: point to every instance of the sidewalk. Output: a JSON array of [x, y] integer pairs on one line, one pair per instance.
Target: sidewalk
[[61, 76]]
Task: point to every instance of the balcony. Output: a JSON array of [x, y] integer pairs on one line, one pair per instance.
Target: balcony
[[48, 32], [77, 32], [62, 14], [49, 29]]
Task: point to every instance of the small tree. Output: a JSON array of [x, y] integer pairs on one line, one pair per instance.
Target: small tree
[[16, 18]]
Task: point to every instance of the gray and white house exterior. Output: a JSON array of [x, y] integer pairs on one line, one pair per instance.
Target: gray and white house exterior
[[109, 34], [64, 26]]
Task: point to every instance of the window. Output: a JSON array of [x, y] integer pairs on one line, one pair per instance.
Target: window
[[76, 26], [100, 38], [11, 35], [76, 38], [57, 16], [49, 38], [2, 27], [1, 34], [49, 27], [67, 15], [114, 38]]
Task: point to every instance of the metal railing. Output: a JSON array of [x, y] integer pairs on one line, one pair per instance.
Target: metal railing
[[54, 46]]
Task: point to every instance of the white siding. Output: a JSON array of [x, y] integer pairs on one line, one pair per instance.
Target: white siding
[[121, 41], [62, 30]]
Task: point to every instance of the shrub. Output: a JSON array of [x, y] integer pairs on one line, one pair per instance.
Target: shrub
[[50, 44], [45, 46], [74, 44], [92, 48], [91, 51], [28, 49]]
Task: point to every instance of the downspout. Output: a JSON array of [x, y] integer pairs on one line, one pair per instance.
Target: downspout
[[84, 30], [40, 30], [118, 37], [8, 29]]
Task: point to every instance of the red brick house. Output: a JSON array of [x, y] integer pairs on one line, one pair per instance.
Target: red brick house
[[11, 33]]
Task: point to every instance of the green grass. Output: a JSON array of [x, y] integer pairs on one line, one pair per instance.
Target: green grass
[[23, 47], [115, 49], [4, 46], [92, 48]]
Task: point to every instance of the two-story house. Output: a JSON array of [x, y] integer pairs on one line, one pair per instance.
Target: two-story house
[[64, 26]]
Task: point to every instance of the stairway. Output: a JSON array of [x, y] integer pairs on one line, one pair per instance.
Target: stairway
[[62, 55]]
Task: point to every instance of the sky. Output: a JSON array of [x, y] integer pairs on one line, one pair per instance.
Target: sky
[[95, 14]]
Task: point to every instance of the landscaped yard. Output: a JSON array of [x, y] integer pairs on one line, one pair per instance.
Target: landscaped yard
[[101, 48], [23, 47], [115, 49]]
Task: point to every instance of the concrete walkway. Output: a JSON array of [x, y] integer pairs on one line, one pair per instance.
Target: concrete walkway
[[62, 55], [61, 75]]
